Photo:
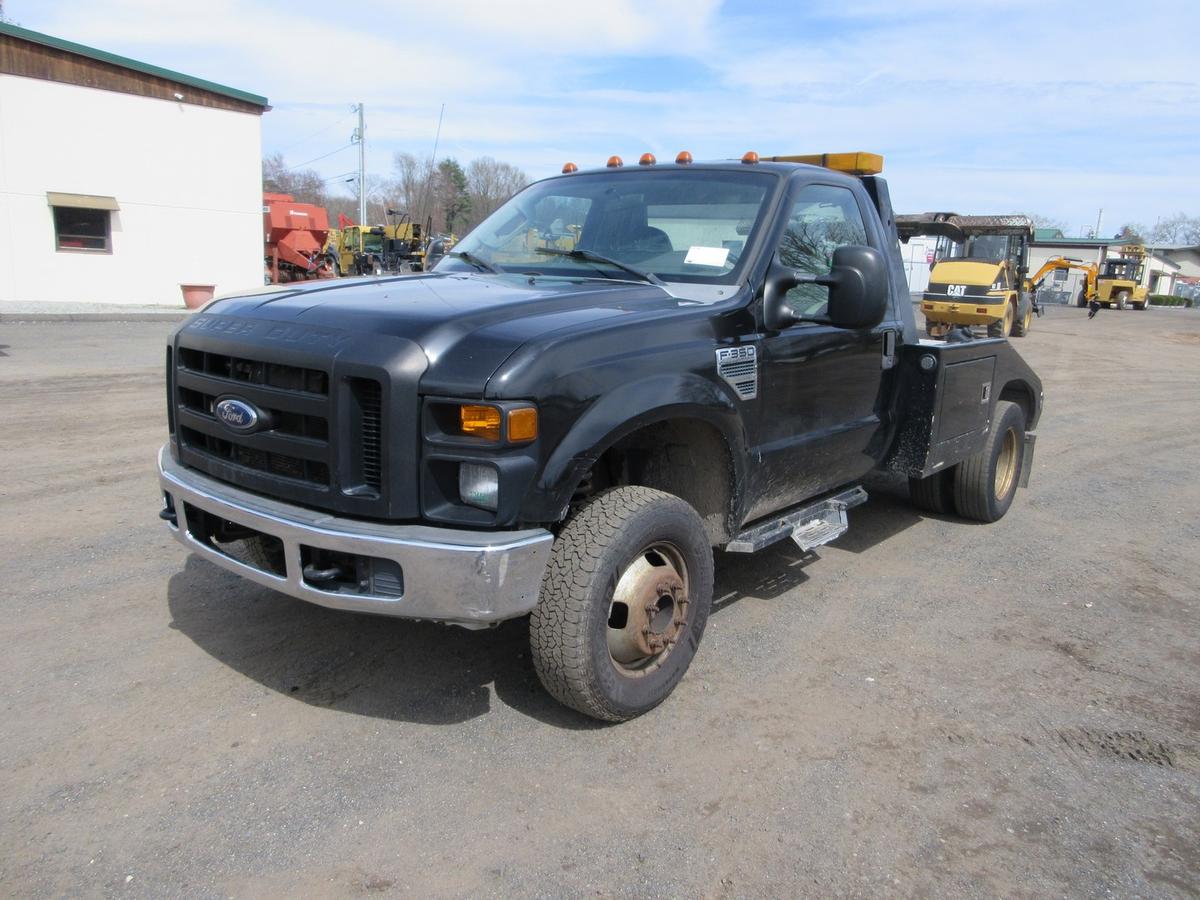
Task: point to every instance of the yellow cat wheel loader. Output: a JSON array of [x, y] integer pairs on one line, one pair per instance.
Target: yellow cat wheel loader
[[984, 280]]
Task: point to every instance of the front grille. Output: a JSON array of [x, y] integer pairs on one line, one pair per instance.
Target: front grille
[[249, 371], [278, 464], [290, 449]]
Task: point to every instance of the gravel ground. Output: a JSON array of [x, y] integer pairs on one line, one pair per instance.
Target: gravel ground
[[928, 708]]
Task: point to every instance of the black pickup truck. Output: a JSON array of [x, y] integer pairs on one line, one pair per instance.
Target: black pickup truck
[[617, 372]]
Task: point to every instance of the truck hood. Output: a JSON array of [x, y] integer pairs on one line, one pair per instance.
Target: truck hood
[[466, 324]]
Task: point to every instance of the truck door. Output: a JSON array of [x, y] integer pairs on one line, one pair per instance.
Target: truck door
[[820, 406]]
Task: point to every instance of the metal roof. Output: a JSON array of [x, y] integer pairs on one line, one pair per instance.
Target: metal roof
[[113, 59], [1055, 237]]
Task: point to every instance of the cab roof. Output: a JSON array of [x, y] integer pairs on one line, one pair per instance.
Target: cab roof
[[855, 164]]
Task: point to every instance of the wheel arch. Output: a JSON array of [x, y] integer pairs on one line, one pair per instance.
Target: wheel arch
[[1020, 392], [678, 433]]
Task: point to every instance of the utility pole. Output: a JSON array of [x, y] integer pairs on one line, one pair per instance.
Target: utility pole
[[1150, 255], [360, 138], [1099, 219]]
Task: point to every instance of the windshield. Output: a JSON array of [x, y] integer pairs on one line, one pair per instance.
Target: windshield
[[987, 246], [681, 226], [1127, 269]]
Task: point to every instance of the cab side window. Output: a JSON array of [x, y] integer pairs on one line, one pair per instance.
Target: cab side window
[[823, 218]]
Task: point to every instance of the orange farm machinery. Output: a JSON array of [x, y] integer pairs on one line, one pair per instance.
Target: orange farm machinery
[[294, 234]]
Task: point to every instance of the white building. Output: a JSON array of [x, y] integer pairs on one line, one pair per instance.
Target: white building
[[120, 181]]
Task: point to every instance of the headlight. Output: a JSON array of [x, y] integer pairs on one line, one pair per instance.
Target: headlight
[[479, 485], [484, 421], [480, 421]]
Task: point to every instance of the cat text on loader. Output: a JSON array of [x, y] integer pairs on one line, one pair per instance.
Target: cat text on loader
[[984, 281]]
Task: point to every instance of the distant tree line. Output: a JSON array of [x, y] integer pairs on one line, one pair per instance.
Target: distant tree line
[[444, 195], [1177, 229]]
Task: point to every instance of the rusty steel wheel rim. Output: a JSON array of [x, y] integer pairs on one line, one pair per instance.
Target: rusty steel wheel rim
[[1006, 464], [649, 610]]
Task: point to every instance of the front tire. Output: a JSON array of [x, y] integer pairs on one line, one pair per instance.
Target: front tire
[[1022, 323], [985, 484], [623, 604]]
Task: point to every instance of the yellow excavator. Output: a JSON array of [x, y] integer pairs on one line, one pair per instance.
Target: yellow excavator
[[1118, 284], [983, 281]]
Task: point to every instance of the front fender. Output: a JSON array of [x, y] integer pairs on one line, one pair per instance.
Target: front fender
[[620, 413]]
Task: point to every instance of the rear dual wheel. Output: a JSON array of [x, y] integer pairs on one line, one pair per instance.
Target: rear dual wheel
[[985, 484], [624, 603], [981, 487]]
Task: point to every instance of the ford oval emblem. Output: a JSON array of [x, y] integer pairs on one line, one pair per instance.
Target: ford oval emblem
[[237, 415]]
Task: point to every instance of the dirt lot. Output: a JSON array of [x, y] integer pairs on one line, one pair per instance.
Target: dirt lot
[[930, 707]]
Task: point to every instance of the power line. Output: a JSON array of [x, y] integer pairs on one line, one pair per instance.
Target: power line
[[319, 131], [318, 158]]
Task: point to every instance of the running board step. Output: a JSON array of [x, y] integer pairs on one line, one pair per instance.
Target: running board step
[[809, 526]]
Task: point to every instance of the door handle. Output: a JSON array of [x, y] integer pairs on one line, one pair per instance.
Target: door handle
[[889, 350]]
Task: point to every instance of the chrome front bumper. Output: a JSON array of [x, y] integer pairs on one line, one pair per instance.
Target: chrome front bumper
[[468, 578]]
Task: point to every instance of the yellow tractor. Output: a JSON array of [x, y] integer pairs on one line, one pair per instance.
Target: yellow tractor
[[983, 280], [376, 249], [1117, 284]]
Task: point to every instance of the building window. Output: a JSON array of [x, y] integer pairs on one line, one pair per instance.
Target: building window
[[76, 228]]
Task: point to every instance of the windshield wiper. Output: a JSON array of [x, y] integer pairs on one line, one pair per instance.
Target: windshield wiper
[[589, 256], [472, 259]]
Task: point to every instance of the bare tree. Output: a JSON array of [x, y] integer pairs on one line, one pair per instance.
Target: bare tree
[[305, 185], [489, 183], [1042, 221]]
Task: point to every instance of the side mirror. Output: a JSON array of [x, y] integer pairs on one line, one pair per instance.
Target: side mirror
[[858, 297], [858, 290]]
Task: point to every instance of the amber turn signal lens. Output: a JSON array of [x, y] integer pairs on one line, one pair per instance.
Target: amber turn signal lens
[[480, 421], [522, 425]]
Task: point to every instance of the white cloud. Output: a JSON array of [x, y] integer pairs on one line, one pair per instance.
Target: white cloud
[[991, 106]]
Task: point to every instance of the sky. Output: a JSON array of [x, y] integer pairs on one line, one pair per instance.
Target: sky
[[984, 107]]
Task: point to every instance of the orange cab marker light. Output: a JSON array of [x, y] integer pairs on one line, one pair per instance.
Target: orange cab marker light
[[570, 167], [480, 421], [522, 425], [614, 162], [750, 157], [683, 159], [647, 160]]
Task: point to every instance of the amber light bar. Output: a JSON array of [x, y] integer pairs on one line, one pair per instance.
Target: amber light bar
[[857, 163]]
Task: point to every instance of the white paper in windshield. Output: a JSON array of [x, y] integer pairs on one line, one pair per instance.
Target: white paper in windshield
[[706, 256]]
